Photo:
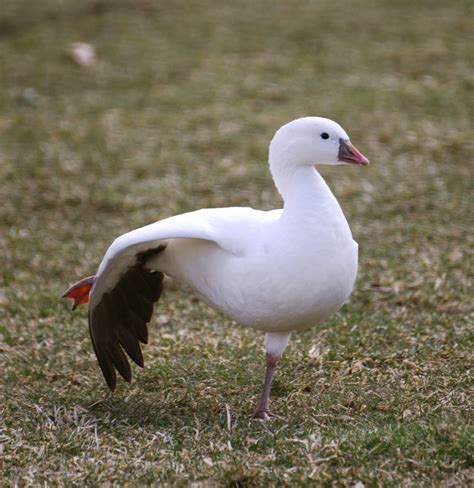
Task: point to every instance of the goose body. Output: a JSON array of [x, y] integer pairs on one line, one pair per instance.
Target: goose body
[[277, 271]]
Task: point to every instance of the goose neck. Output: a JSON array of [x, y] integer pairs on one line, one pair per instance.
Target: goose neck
[[302, 188]]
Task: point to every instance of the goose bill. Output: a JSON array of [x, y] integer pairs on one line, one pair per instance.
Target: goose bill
[[349, 154]]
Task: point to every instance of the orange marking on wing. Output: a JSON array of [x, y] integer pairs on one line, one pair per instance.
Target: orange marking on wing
[[79, 292]]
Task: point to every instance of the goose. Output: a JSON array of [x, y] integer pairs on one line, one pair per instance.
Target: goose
[[278, 271]]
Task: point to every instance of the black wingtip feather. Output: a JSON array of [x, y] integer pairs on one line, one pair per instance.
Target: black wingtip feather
[[104, 362], [110, 377], [120, 361], [130, 343], [120, 321]]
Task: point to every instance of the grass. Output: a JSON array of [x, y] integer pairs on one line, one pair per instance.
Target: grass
[[177, 115]]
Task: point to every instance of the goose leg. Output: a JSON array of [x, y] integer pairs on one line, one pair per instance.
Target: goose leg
[[275, 344], [262, 412]]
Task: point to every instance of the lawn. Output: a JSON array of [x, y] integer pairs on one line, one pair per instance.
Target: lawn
[[176, 115]]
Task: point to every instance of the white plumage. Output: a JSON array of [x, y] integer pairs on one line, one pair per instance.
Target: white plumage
[[279, 271]]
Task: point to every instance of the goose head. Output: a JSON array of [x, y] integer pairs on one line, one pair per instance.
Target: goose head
[[309, 141]]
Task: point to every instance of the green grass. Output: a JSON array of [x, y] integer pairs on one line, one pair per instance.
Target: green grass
[[177, 115]]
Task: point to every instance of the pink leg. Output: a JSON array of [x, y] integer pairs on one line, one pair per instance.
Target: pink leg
[[262, 411]]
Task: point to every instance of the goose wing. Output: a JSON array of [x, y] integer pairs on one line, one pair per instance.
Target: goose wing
[[124, 292]]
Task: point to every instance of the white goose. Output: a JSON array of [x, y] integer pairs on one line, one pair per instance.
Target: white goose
[[279, 271]]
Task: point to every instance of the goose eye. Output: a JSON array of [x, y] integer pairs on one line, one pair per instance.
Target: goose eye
[[324, 135]]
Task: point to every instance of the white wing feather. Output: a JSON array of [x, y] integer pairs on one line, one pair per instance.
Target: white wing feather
[[217, 225]]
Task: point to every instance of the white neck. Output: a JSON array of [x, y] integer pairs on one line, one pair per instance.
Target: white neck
[[302, 188]]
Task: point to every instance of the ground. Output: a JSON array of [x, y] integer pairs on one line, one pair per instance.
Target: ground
[[175, 115]]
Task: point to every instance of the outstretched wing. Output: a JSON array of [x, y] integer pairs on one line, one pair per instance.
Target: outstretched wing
[[119, 321], [124, 292]]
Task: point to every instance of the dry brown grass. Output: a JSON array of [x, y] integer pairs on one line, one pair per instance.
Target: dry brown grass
[[177, 115]]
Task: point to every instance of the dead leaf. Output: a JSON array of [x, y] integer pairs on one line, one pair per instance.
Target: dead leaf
[[409, 364], [455, 255], [82, 53]]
